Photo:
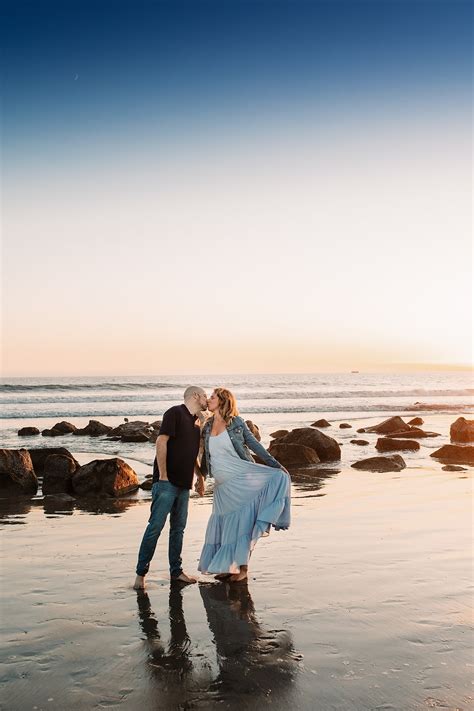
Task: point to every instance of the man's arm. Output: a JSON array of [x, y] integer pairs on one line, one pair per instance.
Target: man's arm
[[161, 451]]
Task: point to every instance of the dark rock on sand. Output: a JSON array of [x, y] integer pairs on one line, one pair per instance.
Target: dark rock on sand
[[391, 426], [28, 431], [17, 476], [130, 428], [395, 463], [387, 444], [39, 457], [93, 429], [58, 472], [361, 442], [279, 433], [136, 437], [453, 468], [321, 423], [462, 430], [345, 426], [416, 421], [455, 454], [254, 429], [325, 447], [110, 477], [293, 455], [361, 430], [147, 485], [52, 433], [156, 424]]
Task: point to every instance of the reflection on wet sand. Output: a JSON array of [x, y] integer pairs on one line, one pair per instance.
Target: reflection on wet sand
[[252, 662], [61, 505]]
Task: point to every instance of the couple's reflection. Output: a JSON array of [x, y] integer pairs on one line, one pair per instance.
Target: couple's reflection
[[246, 658]]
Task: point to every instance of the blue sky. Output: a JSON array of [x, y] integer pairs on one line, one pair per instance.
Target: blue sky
[[280, 149]]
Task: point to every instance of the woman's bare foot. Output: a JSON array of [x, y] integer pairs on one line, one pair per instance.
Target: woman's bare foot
[[240, 577], [184, 578], [139, 583]]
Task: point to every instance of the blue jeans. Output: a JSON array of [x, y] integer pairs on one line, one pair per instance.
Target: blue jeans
[[166, 499]]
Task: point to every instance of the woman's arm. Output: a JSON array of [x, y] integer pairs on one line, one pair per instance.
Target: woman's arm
[[258, 449]]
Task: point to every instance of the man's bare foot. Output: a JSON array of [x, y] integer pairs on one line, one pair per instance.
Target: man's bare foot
[[139, 583], [184, 578]]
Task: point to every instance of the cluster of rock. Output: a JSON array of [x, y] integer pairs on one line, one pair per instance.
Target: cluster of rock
[[137, 431], [21, 470]]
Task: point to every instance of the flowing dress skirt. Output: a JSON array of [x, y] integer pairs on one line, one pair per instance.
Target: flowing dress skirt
[[249, 499]]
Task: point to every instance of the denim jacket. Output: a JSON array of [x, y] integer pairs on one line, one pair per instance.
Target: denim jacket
[[242, 439]]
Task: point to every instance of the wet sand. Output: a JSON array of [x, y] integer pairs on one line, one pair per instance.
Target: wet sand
[[363, 604]]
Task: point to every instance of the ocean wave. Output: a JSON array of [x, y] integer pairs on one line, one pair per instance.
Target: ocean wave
[[34, 387], [64, 413]]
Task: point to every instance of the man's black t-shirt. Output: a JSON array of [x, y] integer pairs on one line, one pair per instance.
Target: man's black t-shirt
[[183, 446]]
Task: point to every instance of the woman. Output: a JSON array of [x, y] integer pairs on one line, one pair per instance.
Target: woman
[[248, 497]]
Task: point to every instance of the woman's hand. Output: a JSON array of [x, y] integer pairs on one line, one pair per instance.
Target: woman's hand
[[200, 485]]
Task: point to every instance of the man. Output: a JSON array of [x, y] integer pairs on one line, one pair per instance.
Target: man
[[177, 448]]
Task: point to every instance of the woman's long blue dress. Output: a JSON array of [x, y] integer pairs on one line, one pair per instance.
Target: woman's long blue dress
[[249, 498]]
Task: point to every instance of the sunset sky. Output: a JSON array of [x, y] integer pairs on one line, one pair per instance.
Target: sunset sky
[[236, 186]]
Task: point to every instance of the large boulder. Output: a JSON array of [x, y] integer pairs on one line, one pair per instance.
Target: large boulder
[[28, 431], [279, 433], [39, 457], [93, 429], [136, 437], [254, 429], [455, 454], [17, 476], [293, 455], [110, 477], [321, 423], [462, 430], [131, 428], [325, 447], [387, 444], [394, 463], [64, 427], [391, 426], [52, 433], [58, 472]]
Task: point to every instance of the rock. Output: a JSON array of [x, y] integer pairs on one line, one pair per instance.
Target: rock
[[345, 426], [325, 447], [254, 430], [390, 426], [462, 430], [58, 472], [112, 477], [153, 436], [387, 444], [156, 424], [395, 463], [131, 428], [147, 485], [293, 455], [52, 433], [64, 427], [137, 437], [416, 421], [93, 429], [28, 431], [453, 468], [321, 423], [279, 433], [361, 430], [17, 476], [361, 442], [413, 433], [39, 457], [455, 454]]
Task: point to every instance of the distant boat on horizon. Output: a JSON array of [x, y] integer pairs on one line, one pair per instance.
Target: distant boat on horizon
[[355, 371]]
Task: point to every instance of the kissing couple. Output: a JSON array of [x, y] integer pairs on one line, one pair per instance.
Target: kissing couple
[[249, 498]]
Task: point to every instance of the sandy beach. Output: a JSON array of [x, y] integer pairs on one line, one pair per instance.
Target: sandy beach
[[363, 604]]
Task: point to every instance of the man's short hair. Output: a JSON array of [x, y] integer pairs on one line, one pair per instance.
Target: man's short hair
[[192, 390]]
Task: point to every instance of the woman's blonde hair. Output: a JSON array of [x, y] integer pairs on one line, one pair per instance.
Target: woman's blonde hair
[[227, 405]]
